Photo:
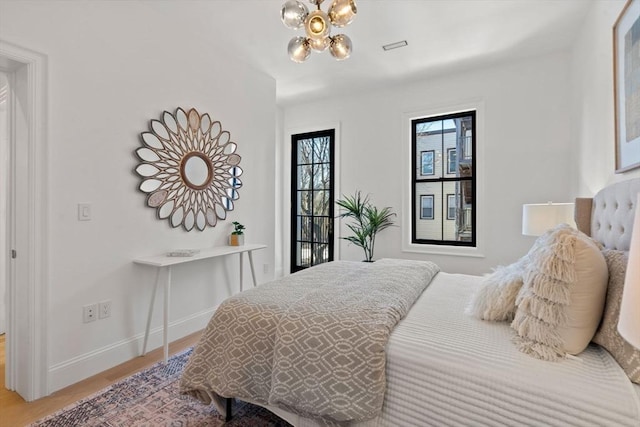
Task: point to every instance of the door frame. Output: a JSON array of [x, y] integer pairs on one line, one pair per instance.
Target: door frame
[[285, 194], [294, 190], [29, 378]]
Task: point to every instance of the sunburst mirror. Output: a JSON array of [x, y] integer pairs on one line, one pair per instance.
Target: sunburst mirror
[[189, 168]]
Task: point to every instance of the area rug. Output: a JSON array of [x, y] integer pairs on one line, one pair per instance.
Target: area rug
[[151, 398]]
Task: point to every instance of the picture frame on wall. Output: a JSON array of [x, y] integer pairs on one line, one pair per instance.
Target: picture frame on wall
[[626, 80]]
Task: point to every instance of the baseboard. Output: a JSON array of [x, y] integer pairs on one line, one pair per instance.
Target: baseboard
[[86, 365]]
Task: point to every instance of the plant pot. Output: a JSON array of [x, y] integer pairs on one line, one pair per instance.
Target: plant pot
[[236, 240]]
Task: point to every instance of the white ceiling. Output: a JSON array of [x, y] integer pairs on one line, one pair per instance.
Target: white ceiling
[[444, 36]]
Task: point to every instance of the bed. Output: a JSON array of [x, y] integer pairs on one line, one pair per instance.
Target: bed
[[444, 367]]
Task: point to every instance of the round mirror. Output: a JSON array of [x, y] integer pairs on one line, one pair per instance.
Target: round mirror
[[196, 170], [189, 169]]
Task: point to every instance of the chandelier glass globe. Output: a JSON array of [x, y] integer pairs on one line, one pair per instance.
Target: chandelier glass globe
[[317, 25]]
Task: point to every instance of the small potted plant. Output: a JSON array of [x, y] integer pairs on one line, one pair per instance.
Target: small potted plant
[[237, 235]]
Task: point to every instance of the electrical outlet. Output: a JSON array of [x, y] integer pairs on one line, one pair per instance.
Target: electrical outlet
[[89, 313], [265, 268], [104, 309]]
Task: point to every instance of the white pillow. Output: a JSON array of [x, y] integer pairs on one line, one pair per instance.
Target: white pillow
[[562, 298], [496, 298]]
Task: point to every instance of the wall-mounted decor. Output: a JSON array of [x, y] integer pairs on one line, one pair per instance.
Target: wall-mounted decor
[[626, 78], [189, 168]]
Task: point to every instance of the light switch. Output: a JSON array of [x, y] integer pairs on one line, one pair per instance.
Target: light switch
[[84, 211]]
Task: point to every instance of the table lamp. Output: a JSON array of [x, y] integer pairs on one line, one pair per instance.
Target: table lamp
[[539, 217]]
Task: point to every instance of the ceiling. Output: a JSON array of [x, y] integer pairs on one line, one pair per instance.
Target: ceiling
[[443, 36]]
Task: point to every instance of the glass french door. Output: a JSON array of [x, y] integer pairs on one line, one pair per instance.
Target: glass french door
[[312, 198]]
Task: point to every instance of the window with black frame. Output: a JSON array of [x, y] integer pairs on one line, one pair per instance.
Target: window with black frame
[[312, 198], [444, 199]]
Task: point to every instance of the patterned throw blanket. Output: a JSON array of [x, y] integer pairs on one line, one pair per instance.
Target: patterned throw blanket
[[312, 343]]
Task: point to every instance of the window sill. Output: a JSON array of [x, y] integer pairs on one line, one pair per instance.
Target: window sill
[[462, 251]]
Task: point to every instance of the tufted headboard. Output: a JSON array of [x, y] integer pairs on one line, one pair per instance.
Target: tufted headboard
[[608, 217]]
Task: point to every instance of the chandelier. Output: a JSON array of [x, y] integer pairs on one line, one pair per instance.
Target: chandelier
[[317, 25]]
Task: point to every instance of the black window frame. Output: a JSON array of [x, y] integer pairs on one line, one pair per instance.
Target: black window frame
[[415, 179]]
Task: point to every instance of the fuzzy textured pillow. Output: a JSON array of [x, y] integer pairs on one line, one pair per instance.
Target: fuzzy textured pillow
[[562, 297], [607, 335], [495, 299]]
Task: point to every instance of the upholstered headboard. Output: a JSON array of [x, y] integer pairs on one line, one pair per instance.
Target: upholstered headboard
[[608, 217]]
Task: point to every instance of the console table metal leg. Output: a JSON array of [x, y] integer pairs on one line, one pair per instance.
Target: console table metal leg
[[253, 270], [165, 326], [241, 269], [153, 299]]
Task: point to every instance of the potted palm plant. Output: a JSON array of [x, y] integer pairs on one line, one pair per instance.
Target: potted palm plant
[[368, 221], [237, 235]]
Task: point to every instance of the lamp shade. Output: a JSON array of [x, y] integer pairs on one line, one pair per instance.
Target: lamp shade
[[629, 322], [538, 218]]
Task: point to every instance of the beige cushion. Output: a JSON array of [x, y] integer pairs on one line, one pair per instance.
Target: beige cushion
[[561, 301], [607, 334]]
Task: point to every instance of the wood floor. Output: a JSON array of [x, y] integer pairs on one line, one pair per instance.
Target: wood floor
[[15, 412]]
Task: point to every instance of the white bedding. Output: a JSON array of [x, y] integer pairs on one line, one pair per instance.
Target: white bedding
[[446, 368]]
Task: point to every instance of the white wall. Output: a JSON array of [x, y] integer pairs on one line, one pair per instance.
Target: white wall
[[525, 143], [592, 102], [113, 66]]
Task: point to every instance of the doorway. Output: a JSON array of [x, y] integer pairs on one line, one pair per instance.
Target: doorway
[[4, 190], [312, 198], [25, 271], [4, 239]]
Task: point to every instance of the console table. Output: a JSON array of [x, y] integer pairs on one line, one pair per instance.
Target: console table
[[166, 262]]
